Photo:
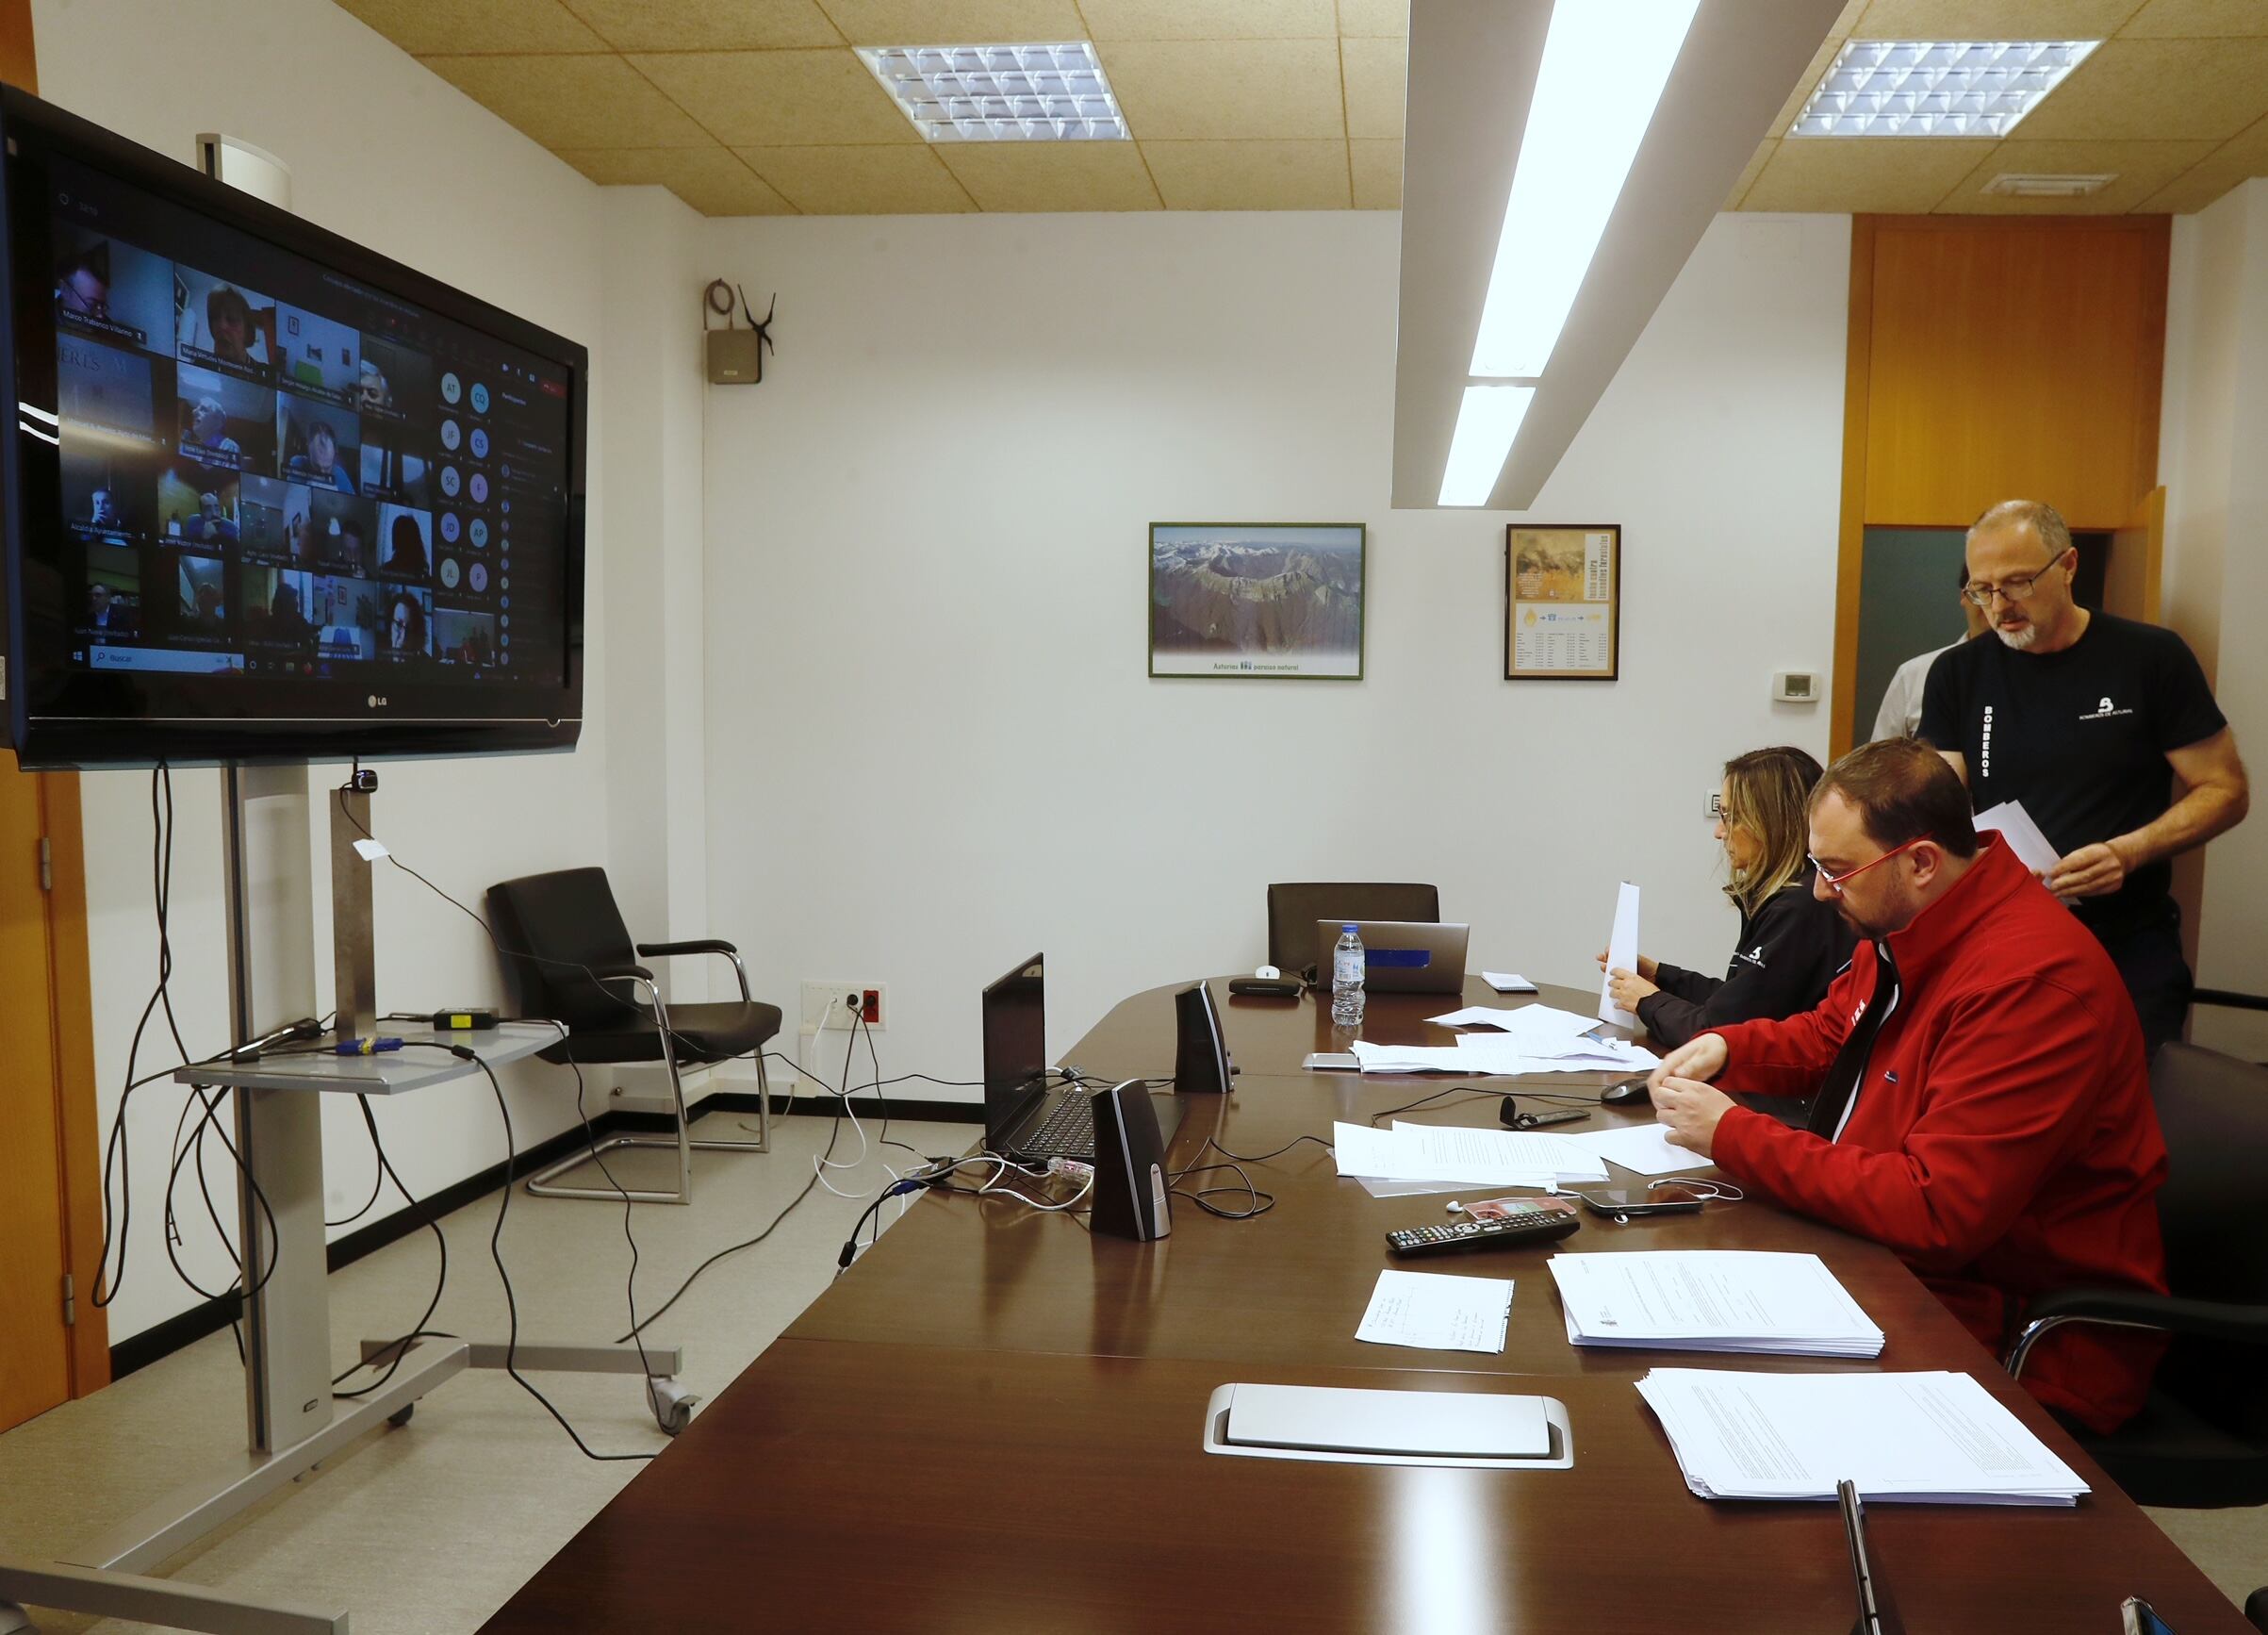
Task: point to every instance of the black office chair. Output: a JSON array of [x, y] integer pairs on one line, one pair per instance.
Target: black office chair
[[1294, 908], [2256, 1609], [576, 963], [2201, 1441]]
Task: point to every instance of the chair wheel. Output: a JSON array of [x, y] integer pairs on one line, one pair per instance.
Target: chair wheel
[[401, 1415], [672, 1405]]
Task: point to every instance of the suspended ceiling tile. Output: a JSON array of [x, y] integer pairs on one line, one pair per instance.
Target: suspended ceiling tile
[[710, 180], [780, 98], [572, 102], [1250, 175], [1211, 19], [1377, 73], [1749, 175], [2224, 18], [1223, 90], [864, 180], [423, 27], [2140, 168], [1890, 173], [2161, 89], [1994, 19], [706, 25], [2233, 162], [1377, 171], [1373, 18], [1052, 175], [962, 23]]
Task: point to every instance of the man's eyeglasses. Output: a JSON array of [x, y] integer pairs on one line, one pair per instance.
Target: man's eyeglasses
[[1835, 883], [2016, 590]]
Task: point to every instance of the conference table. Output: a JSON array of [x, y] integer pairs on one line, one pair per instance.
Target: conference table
[[993, 1422]]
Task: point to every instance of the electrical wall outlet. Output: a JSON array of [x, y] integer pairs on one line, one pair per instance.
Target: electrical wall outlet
[[874, 1006], [851, 1002], [1713, 807]]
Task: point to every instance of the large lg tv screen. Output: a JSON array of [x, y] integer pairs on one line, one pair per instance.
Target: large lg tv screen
[[271, 495]]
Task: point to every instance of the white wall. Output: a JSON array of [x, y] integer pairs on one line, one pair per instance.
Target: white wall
[[386, 154], [933, 745], [2216, 573]]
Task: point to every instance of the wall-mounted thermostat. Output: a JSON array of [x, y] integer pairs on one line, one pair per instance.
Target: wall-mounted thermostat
[[1796, 686]]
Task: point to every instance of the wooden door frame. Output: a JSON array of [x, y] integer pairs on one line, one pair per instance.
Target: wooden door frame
[[70, 985]]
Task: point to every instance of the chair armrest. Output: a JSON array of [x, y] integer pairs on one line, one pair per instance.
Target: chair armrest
[[702, 946], [2135, 1308], [620, 973]]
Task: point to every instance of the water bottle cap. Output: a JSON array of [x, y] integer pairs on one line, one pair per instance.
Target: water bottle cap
[[1348, 929]]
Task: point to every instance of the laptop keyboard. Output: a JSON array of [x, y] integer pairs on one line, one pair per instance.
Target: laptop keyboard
[[1066, 1132]]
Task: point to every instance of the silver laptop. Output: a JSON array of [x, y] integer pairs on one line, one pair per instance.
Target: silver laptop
[[1403, 956]]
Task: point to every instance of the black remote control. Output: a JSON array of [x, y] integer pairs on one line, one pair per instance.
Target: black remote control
[[1526, 1226]]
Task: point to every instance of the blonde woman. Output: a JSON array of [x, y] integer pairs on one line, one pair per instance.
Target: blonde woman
[[1791, 943]]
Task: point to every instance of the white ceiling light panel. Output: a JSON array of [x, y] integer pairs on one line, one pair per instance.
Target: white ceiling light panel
[[1921, 88], [1000, 93], [1488, 421], [1602, 75]]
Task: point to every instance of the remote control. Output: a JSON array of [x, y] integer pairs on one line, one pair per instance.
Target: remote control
[[1526, 1226]]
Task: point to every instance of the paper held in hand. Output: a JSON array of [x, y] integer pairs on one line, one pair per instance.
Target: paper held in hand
[[1622, 954]]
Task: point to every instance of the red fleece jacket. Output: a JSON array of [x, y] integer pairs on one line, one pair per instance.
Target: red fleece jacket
[[2002, 1140]]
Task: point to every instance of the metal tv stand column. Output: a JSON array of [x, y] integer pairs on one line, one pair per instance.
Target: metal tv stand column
[[293, 1423]]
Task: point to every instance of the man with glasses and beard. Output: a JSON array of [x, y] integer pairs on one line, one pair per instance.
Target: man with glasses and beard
[[2092, 721], [1981, 1107]]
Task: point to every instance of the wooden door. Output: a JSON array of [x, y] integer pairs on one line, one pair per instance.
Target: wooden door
[[35, 1344]]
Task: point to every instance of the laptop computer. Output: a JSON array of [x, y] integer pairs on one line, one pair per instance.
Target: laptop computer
[[1403, 956], [1026, 1118]]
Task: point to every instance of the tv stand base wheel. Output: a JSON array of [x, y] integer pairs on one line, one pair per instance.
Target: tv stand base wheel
[[672, 1404]]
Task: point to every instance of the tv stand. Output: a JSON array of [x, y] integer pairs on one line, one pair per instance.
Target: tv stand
[[292, 1421]]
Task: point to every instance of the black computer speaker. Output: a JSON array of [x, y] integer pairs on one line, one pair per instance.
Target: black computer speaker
[[1129, 1166], [1200, 1056]]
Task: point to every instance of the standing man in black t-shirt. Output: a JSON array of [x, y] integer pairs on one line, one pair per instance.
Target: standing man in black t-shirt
[[2091, 722]]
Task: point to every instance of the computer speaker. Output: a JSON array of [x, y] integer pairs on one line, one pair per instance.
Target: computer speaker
[[1200, 1055], [1130, 1167]]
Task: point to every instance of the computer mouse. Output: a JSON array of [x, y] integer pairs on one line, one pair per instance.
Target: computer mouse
[[1630, 1093]]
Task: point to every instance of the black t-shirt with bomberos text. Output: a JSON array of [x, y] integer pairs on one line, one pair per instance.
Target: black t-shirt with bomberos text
[[2080, 736]]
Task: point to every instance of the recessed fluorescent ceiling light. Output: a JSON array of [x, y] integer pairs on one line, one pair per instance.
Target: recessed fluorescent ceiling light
[[1486, 423], [1000, 93], [1602, 72], [1917, 88]]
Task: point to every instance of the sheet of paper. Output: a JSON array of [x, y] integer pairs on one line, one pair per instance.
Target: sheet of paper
[[1723, 1299], [1378, 1187], [2033, 850], [1642, 1148], [1490, 1052], [1508, 982], [1934, 1437], [1438, 1312], [1537, 1022], [1622, 954], [1454, 1149], [1409, 1058]]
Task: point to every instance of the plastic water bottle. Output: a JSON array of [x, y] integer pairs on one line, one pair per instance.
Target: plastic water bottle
[[1346, 979]]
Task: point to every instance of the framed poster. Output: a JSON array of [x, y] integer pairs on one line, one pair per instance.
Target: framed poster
[[1256, 600], [1563, 603]]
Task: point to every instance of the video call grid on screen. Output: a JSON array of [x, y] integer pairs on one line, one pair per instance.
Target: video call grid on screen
[[264, 466]]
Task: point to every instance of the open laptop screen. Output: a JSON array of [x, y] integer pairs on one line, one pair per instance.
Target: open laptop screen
[[1016, 1041]]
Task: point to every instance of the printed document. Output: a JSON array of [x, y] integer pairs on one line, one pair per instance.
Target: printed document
[[1622, 954], [1645, 1148], [1712, 1300], [1438, 1312]]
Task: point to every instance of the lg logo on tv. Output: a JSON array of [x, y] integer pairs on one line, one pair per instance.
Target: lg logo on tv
[[377, 701]]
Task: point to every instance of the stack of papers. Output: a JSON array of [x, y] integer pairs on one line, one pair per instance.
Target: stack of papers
[[1927, 1438], [1530, 1039], [1712, 1300], [1508, 982], [1438, 1312], [1443, 1152]]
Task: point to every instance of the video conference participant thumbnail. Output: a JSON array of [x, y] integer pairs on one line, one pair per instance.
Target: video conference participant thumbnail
[[107, 487], [274, 519], [224, 421], [199, 614], [405, 536], [275, 620], [348, 616], [322, 356], [409, 624], [100, 386], [110, 609], [223, 325], [103, 287], [197, 504], [392, 381], [319, 443], [463, 637], [344, 532], [393, 465]]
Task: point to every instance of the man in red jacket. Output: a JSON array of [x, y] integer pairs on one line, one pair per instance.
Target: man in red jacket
[[1984, 1109]]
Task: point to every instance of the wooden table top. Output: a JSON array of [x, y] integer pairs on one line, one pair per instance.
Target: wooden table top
[[994, 1421]]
